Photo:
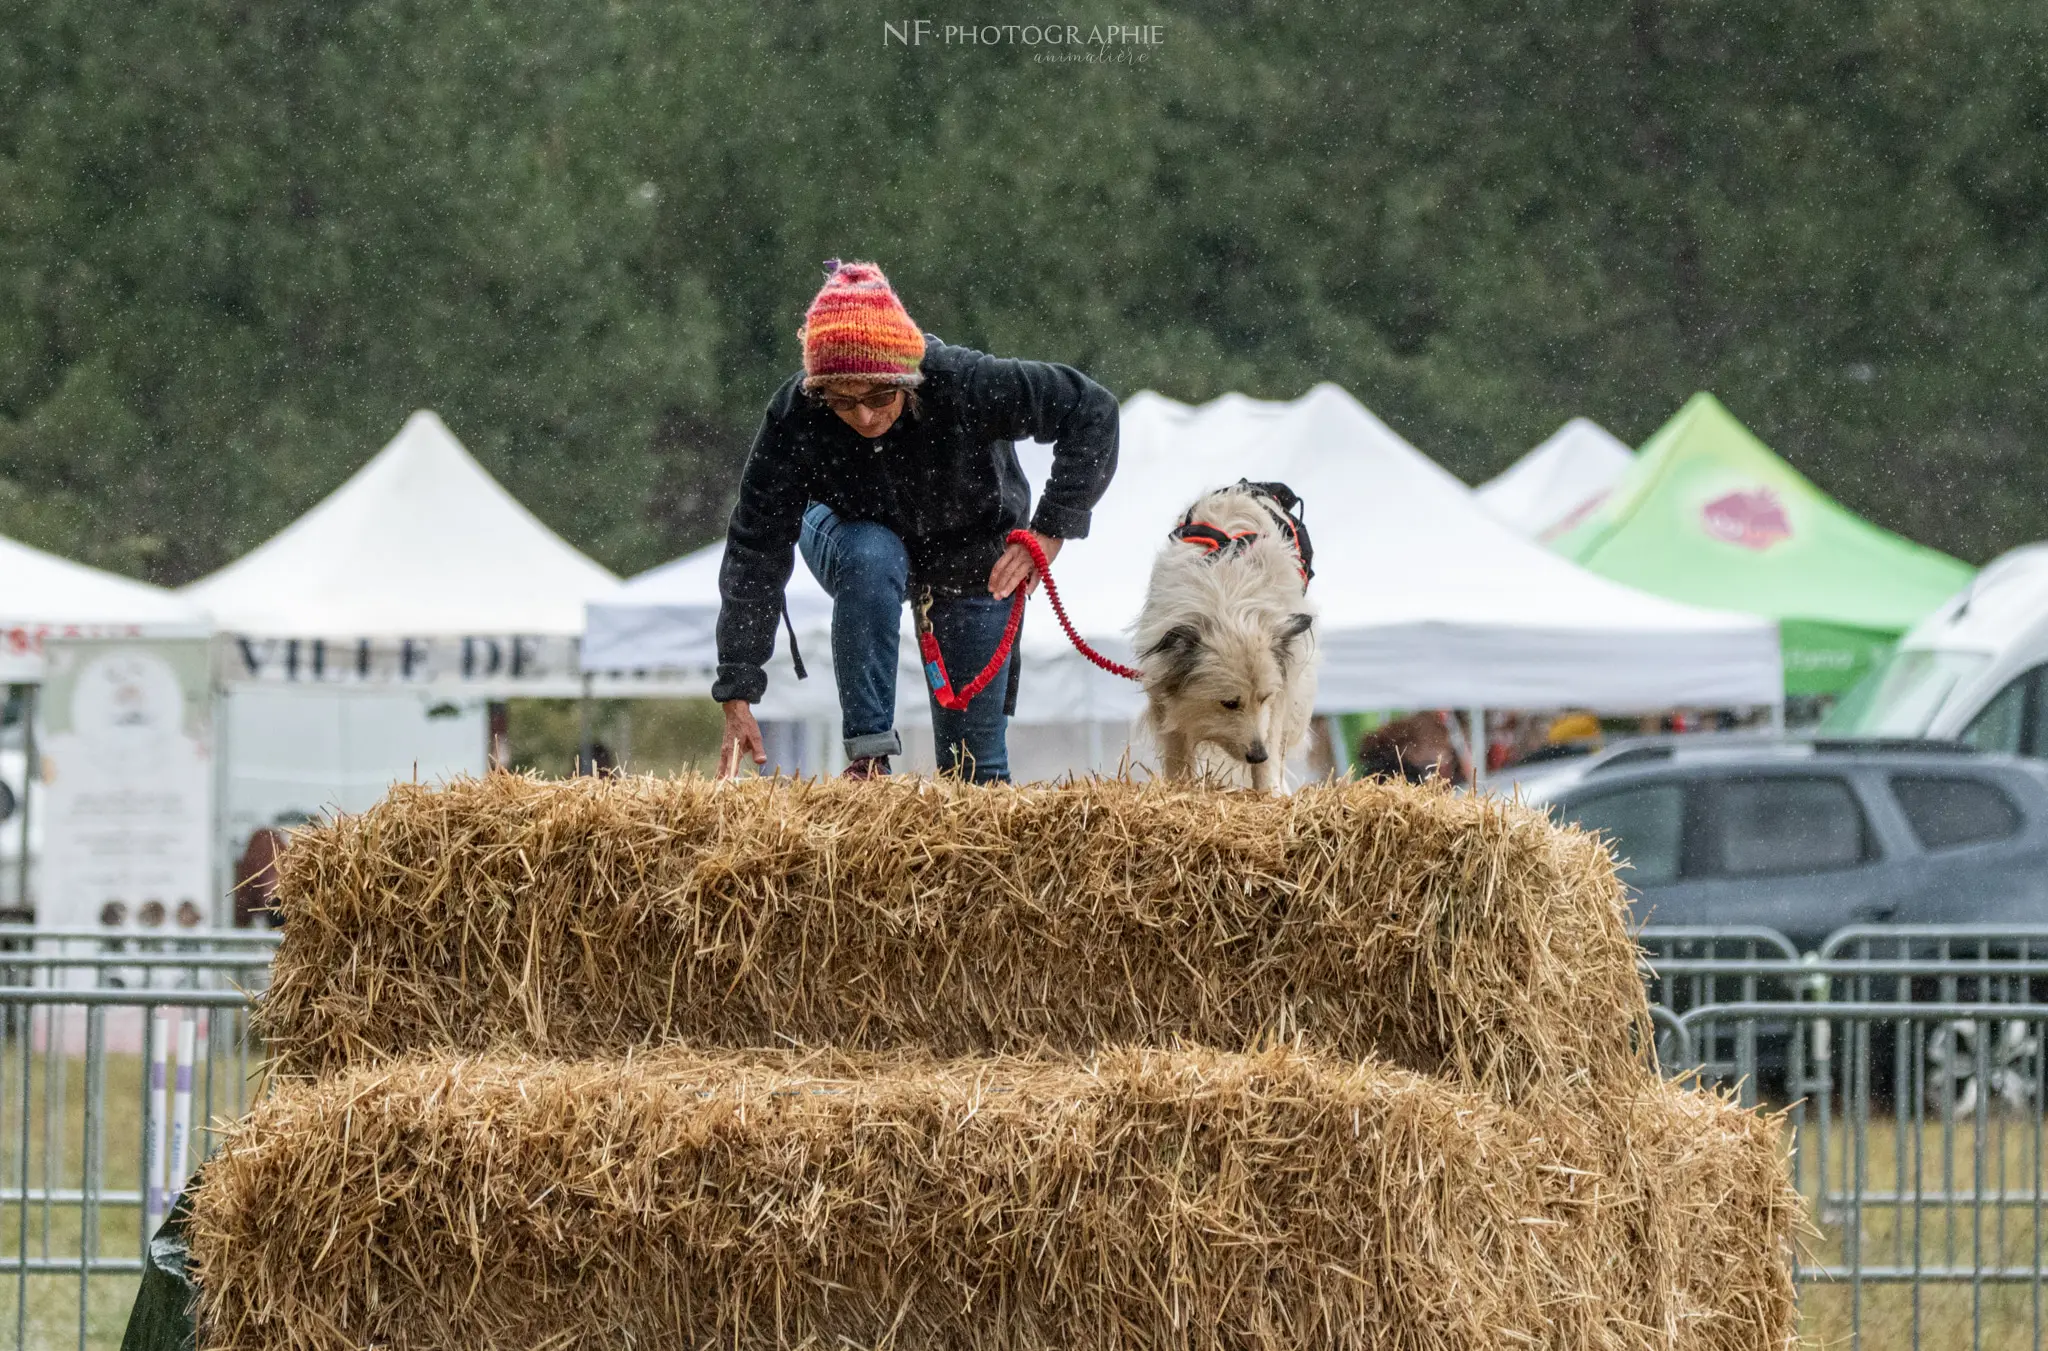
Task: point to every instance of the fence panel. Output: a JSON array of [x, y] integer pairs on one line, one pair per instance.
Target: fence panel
[[114, 1055], [1909, 1066]]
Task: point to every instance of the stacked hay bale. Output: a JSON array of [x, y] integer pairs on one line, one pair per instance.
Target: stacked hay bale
[[915, 1064]]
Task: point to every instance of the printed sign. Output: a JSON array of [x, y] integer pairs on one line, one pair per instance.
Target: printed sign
[[127, 779]]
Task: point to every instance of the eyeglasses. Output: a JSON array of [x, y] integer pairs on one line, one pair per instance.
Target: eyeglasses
[[846, 403]]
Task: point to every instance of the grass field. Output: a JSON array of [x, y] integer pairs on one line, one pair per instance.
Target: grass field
[[1889, 1230], [1950, 1316]]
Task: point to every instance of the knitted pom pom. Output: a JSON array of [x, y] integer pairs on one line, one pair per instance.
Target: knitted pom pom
[[860, 274]]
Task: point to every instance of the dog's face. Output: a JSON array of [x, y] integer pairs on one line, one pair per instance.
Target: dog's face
[[1220, 683]]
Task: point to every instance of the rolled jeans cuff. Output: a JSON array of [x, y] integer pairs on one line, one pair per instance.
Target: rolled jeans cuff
[[874, 743]]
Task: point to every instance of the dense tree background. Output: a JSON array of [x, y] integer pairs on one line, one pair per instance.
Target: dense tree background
[[240, 241]]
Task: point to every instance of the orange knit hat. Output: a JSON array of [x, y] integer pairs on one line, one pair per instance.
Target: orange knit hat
[[856, 329]]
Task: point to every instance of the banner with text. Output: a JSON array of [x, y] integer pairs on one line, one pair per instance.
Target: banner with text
[[481, 665]]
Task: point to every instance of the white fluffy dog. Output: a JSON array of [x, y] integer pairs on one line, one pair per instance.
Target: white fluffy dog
[[1227, 638]]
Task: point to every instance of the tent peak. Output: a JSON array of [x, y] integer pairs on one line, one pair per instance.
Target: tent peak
[[1711, 515], [1559, 483], [420, 541], [1323, 391], [425, 431]]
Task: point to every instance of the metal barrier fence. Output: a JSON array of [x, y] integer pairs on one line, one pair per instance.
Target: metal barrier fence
[[1908, 1065], [115, 1053]]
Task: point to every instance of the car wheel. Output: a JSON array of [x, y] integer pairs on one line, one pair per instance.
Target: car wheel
[[2009, 1063]]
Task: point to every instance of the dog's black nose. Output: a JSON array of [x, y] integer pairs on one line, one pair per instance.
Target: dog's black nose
[[1256, 755]]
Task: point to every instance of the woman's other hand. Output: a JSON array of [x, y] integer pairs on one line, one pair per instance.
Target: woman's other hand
[[1016, 567]]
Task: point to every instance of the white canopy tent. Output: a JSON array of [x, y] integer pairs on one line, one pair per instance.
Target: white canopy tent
[[420, 569], [1554, 486], [1427, 600], [366, 640], [665, 620], [43, 596]]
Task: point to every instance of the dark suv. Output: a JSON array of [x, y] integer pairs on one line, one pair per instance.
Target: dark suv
[[1807, 837]]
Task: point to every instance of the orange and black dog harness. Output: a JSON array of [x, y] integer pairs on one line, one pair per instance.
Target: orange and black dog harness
[[1280, 503]]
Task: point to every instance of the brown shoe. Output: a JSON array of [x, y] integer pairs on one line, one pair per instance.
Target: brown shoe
[[866, 767]]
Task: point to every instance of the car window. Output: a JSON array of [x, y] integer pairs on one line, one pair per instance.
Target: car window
[[1998, 725], [1788, 824], [2036, 742], [1946, 811], [1643, 826], [1903, 693]]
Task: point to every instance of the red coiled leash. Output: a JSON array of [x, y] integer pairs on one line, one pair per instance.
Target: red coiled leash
[[935, 664]]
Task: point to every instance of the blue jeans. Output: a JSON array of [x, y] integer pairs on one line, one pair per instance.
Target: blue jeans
[[866, 570]]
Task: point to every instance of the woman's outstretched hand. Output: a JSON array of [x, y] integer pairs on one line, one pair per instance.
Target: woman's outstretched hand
[[742, 737]]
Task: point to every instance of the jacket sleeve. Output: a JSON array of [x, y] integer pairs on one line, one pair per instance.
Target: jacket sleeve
[[1044, 401], [760, 549]]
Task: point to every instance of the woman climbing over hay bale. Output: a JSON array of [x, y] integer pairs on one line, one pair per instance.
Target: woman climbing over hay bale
[[888, 464]]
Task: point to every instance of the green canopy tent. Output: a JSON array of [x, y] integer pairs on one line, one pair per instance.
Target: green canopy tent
[[1709, 514]]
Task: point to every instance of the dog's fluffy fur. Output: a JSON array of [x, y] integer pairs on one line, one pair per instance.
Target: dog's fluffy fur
[[1227, 645]]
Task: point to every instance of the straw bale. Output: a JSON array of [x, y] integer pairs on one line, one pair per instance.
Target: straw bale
[[1460, 936], [1701, 1218], [1145, 1199]]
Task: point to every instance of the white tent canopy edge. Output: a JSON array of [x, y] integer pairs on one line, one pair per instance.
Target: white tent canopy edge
[[43, 596]]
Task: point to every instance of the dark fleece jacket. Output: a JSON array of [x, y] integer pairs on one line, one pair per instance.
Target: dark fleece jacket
[[944, 478]]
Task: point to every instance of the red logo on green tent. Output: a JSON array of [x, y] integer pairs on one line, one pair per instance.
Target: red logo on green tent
[[1754, 519]]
